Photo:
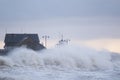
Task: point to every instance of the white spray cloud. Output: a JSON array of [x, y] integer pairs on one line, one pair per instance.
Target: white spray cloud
[[69, 57]]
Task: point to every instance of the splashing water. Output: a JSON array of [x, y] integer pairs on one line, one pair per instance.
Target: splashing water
[[79, 62]]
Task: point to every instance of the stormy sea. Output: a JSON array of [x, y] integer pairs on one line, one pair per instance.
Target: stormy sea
[[60, 63]]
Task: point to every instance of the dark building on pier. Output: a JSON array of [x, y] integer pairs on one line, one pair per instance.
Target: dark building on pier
[[31, 41]]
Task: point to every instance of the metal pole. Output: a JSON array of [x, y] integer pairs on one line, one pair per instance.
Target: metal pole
[[45, 41], [45, 38]]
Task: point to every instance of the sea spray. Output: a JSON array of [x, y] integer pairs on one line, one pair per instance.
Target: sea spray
[[68, 56], [60, 63], [77, 57], [25, 57], [6, 61]]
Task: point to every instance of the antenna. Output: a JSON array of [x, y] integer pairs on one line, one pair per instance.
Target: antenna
[[6, 30]]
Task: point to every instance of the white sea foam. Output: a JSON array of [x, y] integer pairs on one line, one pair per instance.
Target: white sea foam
[[60, 63], [62, 57], [77, 57]]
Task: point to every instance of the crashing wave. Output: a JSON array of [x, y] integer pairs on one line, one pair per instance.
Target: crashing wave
[[74, 57]]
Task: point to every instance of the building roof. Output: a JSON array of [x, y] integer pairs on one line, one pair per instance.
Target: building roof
[[19, 37]]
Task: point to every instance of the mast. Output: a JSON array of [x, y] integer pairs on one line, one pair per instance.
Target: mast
[[45, 37]]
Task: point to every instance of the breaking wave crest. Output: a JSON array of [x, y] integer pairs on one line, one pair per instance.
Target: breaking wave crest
[[74, 57], [5, 61]]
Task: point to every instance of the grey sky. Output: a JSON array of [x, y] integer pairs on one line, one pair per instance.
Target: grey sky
[[84, 19]]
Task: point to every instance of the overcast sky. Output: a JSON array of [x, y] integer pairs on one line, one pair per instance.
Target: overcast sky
[[80, 19]]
